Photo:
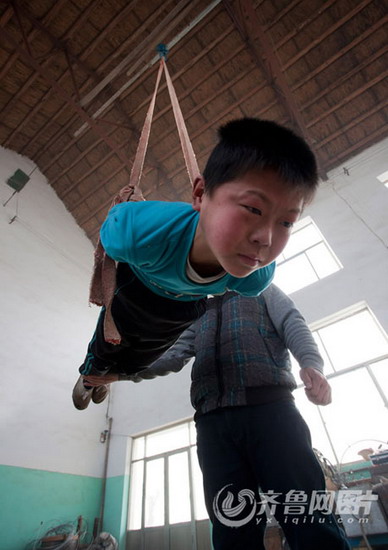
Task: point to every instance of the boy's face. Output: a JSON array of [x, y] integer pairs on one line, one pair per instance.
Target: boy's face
[[244, 225]]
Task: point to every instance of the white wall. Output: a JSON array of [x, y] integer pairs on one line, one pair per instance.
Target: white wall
[[352, 213], [45, 324]]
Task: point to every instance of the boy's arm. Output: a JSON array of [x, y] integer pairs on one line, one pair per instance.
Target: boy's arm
[[292, 327], [173, 360]]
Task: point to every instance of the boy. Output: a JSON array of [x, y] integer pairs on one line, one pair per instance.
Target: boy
[[249, 432], [172, 255]]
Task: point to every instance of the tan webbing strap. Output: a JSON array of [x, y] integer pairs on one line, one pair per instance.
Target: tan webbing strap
[[187, 148], [103, 281], [138, 163]]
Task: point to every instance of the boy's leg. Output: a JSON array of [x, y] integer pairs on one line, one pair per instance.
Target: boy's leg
[[101, 358], [286, 466], [226, 472], [148, 323]]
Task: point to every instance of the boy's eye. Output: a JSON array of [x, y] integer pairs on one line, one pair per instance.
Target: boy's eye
[[253, 210], [288, 225]]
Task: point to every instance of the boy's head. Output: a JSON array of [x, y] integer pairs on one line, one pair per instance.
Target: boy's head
[[250, 144], [254, 187]]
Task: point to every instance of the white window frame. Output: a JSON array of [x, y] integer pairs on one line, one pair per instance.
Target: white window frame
[[366, 366], [165, 456], [282, 261]]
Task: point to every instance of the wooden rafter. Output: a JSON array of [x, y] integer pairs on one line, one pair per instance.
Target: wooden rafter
[[140, 52], [164, 110], [16, 9], [66, 97], [253, 33], [48, 17], [319, 39], [340, 53], [30, 81], [142, 46], [104, 136]]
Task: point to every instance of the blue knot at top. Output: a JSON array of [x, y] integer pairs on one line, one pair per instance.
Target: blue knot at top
[[162, 50]]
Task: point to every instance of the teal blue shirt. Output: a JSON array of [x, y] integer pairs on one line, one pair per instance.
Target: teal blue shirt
[[155, 239]]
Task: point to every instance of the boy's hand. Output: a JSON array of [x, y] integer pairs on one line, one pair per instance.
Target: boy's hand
[[101, 380], [317, 388]]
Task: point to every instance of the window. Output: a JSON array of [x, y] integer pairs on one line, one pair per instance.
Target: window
[[383, 178], [355, 349], [306, 258], [166, 481]]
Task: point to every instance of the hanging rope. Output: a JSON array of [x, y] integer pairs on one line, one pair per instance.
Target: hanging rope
[[103, 281]]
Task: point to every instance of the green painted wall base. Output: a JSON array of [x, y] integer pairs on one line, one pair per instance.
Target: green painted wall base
[[34, 501], [116, 508]]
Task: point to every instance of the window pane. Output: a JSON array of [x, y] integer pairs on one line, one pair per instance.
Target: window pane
[[323, 261], [380, 370], [294, 274], [306, 258], [154, 495], [356, 415], [353, 340], [327, 367], [138, 448], [136, 495], [167, 440], [179, 488], [383, 177], [302, 239], [197, 481]]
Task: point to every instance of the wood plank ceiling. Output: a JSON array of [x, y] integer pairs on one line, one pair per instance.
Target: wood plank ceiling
[[76, 78]]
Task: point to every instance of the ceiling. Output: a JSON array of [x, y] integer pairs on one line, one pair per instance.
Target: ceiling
[[76, 78]]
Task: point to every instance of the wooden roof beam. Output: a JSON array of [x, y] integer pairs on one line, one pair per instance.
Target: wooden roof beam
[[29, 82], [330, 30], [4, 20], [66, 97], [381, 106], [161, 137], [74, 28], [83, 55], [146, 101], [162, 111], [106, 105], [70, 57], [369, 140], [348, 48], [140, 52], [253, 33], [336, 83]]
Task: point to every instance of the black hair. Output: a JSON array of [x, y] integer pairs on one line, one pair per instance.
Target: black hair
[[251, 144]]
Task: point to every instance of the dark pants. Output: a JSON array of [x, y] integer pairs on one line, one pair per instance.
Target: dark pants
[[266, 446], [148, 324]]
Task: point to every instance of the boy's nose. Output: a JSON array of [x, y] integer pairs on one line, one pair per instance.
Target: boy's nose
[[262, 235]]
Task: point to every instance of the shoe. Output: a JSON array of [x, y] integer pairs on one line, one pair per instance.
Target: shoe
[[81, 395], [99, 393]]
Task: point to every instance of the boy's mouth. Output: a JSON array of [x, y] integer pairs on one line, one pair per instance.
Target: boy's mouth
[[252, 261]]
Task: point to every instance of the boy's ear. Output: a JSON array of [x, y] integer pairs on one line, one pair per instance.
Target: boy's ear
[[197, 193]]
